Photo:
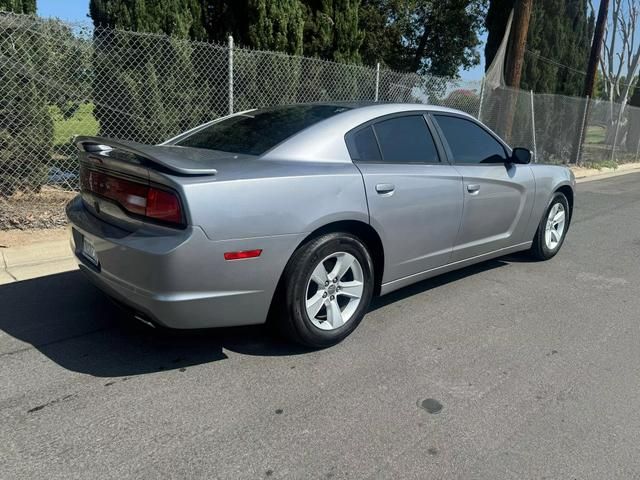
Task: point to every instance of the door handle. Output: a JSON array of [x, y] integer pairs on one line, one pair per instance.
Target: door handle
[[385, 188], [473, 188]]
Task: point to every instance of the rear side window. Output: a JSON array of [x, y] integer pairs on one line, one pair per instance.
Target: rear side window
[[470, 143], [256, 132], [365, 146], [406, 140]]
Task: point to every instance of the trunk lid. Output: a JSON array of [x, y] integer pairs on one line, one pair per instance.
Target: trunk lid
[[107, 166], [176, 160]]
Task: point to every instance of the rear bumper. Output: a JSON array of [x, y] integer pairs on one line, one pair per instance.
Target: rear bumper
[[179, 278]]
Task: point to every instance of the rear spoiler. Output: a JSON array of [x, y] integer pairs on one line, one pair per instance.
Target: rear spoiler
[[174, 159]]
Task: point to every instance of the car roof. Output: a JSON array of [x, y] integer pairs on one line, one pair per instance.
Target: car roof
[[327, 136], [375, 106]]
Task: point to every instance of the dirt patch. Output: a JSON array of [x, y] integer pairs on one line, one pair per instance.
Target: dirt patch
[[29, 211], [582, 172], [20, 238]]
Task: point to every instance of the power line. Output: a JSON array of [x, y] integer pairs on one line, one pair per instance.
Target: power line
[[554, 62], [567, 67]]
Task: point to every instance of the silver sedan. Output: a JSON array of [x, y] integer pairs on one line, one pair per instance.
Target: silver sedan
[[302, 213]]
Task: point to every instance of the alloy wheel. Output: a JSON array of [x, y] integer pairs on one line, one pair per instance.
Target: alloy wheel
[[334, 290], [555, 226]]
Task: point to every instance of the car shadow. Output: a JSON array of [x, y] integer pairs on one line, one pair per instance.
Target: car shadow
[[76, 326], [441, 280], [72, 323]]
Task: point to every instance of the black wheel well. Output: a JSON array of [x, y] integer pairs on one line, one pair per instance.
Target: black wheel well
[[364, 232], [567, 191]]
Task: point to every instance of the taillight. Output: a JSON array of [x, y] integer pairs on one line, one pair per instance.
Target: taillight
[[163, 205], [134, 197]]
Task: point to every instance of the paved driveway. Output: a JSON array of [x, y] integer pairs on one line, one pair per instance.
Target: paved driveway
[[536, 368]]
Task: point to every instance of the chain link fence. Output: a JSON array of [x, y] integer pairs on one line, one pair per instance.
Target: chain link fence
[[58, 80], [564, 130]]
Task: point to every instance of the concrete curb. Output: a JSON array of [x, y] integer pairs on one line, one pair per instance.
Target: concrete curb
[[602, 176], [36, 260]]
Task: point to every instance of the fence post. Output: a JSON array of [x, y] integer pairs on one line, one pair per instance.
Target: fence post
[[533, 129], [638, 147], [230, 74], [583, 128], [377, 80], [481, 98], [615, 136]]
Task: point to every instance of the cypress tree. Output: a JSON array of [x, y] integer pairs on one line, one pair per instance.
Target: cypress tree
[[332, 30], [26, 127], [177, 18], [262, 24], [560, 30], [18, 6], [496, 23], [149, 88], [276, 25]]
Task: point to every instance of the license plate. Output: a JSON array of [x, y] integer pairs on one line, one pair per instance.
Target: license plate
[[89, 251]]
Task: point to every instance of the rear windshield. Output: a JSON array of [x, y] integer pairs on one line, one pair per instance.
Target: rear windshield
[[256, 132]]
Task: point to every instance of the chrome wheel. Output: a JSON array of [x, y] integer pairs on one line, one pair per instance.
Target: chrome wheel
[[334, 291], [554, 229]]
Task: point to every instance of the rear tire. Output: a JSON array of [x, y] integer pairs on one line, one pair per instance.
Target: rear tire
[[552, 229], [326, 290]]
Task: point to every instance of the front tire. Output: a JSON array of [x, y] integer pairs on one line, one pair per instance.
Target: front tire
[[552, 229], [327, 288]]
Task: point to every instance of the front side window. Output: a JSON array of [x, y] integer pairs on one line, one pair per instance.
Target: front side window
[[470, 143], [254, 133], [406, 140]]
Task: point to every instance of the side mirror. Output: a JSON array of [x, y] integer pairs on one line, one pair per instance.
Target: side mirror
[[521, 155]]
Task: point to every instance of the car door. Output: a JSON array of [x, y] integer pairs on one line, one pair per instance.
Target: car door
[[498, 194], [414, 195]]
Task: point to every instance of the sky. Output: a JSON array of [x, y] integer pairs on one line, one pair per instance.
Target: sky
[[78, 10], [71, 10]]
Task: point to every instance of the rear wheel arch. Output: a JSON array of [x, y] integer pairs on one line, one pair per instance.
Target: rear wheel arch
[[366, 233]]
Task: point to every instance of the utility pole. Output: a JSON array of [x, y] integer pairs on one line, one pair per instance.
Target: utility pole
[[518, 42], [596, 48], [590, 79], [515, 59]]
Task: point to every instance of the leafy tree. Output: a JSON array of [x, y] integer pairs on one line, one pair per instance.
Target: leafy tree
[[443, 36], [424, 36], [379, 21], [461, 99]]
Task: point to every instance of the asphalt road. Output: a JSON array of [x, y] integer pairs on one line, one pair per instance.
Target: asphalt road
[[535, 368]]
